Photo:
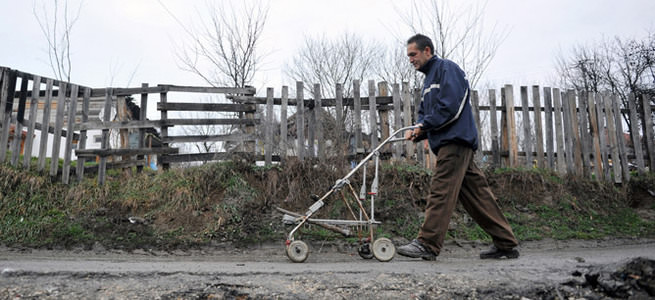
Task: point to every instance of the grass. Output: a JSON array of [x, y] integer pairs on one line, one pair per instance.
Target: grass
[[233, 202]]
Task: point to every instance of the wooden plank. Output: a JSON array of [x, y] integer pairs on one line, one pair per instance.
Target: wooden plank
[[29, 139], [220, 107], [493, 120], [623, 152], [163, 117], [207, 89], [68, 146], [584, 133], [420, 146], [342, 137], [612, 134], [595, 137], [209, 138], [327, 102], [45, 121], [249, 122], [635, 133], [383, 90], [357, 117], [105, 152], [318, 110], [81, 145], [577, 139], [568, 132], [268, 138], [538, 127], [311, 129], [6, 103], [143, 115], [179, 158], [527, 131], [397, 119], [510, 127], [99, 125], [407, 117], [104, 142], [603, 136], [559, 127], [475, 107], [300, 120], [283, 123], [100, 92], [372, 115], [548, 116], [59, 123], [648, 131], [18, 129]]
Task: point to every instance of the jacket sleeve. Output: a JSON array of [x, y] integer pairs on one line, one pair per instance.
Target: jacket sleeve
[[442, 103]]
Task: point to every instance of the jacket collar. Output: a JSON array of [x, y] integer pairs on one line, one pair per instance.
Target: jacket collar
[[426, 67]]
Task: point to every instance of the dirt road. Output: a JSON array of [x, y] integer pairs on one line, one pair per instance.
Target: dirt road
[[545, 268]]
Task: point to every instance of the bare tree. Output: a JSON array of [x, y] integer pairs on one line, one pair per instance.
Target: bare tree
[[459, 33], [56, 21], [621, 66], [223, 48], [330, 61]]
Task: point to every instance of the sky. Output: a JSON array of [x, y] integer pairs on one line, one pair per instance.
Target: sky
[[129, 42]]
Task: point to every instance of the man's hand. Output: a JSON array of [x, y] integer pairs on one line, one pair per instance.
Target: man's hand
[[414, 134]]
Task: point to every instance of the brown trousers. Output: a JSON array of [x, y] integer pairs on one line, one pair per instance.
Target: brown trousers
[[456, 176]]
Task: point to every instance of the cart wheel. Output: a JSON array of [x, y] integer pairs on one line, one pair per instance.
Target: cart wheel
[[297, 251], [365, 251], [383, 249]]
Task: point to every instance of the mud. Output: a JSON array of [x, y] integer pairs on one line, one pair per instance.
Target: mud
[[547, 269]]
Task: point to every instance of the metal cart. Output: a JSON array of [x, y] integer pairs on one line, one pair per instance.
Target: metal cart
[[381, 248]]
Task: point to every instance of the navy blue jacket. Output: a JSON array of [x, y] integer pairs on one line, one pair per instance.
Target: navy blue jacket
[[445, 111]]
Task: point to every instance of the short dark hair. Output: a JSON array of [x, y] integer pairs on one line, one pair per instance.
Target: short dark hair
[[421, 41]]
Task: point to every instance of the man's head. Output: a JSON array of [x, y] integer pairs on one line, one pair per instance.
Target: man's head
[[419, 50]]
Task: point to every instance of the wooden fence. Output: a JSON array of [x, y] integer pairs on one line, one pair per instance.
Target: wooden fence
[[562, 130]]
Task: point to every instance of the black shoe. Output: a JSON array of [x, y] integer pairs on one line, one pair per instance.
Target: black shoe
[[416, 249], [494, 252]]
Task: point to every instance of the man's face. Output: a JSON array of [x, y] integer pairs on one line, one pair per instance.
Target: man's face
[[417, 57]]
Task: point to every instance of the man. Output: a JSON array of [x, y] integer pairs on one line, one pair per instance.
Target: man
[[446, 120]]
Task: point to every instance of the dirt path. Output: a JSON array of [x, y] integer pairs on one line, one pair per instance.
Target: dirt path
[[331, 272]]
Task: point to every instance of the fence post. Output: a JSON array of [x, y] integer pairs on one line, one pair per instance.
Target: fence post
[[397, 120], [577, 141], [283, 123], [593, 117], [612, 133], [407, 118], [81, 144], [34, 105], [340, 145], [357, 117], [508, 129], [623, 152], [475, 107], [59, 121], [584, 133], [568, 131], [648, 132], [548, 110], [104, 143], [300, 120], [268, 129], [559, 127], [372, 108], [318, 113], [311, 128], [383, 91], [538, 127], [163, 98], [527, 141], [143, 116], [634, 132], [45, 123], [20, 117], [6, 104], [493, 120], [603, 135], [68, 150]]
